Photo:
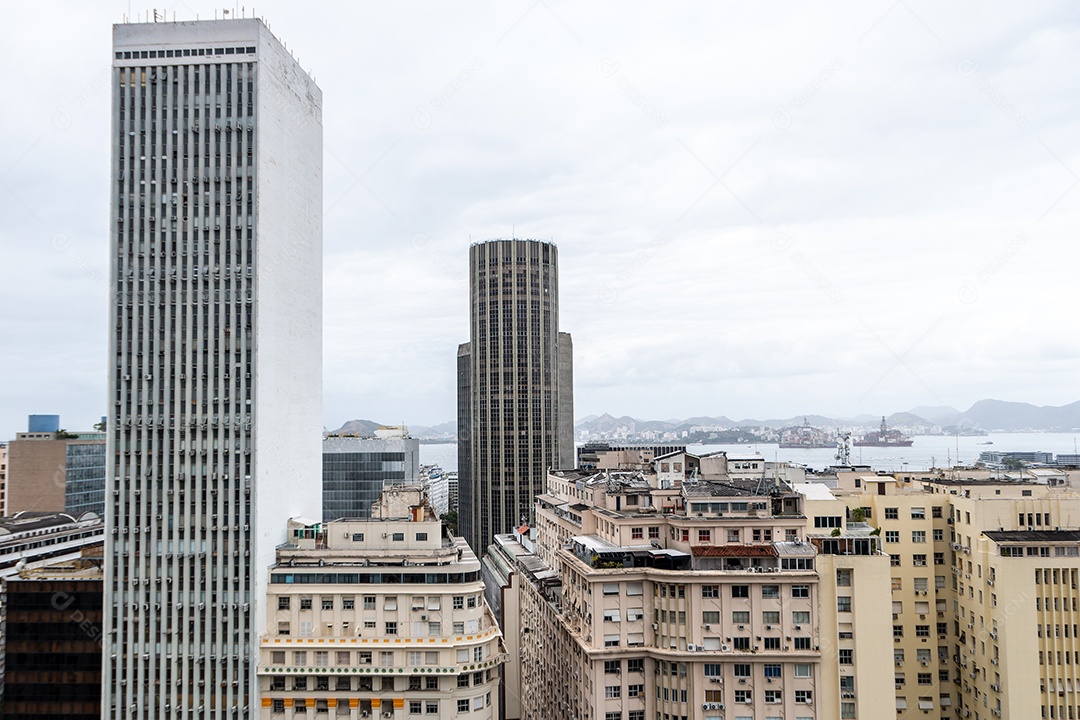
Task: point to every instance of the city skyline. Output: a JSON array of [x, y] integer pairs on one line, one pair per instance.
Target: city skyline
[[760, 213]]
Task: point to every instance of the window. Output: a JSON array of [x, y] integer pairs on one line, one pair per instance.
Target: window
[[922, 631], [710, 591], [300, 658], [277, 706], [935, 512], [741, 670], [283, 603], [740, 591], [770, 591], [892, 536], [897, 631], [844, 656], [277, 657], [939, 558], [322, 658], [398, 537], [612, 667], [843, 578], [654, 532], [463, 706], [892, 513], [772, 643], [348, 603], [742, 696], [802, 643], [611, 588], [829, 521], [741, 643], [918, 560], [390, 602], [740, 617], [636, 690], [613, 691], [283, 628], [328, 603], [918, 513], [770, 617], [800, 591], [704, 536], [800, 617], [713, 669], [803, 670], [710, 617], [637, 533], [415, 707], [305, 603], [843, 603], [925, 678], [939, 535], [369, 602], [733, 536], [804, 696], [918, 536], [391, 628], [774, 696]]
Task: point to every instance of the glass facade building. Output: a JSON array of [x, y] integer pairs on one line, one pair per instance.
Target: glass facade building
[[355, 470], [84, 490]]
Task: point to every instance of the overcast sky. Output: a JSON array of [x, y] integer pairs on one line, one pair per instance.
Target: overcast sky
[[762, 210]]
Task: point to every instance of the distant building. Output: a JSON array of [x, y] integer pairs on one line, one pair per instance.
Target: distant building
[[589, 454], [52, 617], [515, 387], [84, 489], [355, 471], [37, 473], [382, 617]]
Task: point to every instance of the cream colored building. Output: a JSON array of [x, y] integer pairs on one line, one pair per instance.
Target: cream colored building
[[690, 593], [383, 617], [982, 589]]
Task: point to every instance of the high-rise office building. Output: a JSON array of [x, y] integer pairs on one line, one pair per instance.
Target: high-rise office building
[[515, 387], [215, 356], [355, 471]]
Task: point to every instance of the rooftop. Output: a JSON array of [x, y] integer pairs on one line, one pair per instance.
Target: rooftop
[[1054, 536]]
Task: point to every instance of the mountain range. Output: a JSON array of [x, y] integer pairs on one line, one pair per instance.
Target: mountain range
[[985, 415]]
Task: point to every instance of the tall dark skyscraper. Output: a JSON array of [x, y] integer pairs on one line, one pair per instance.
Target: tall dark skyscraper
[[515, 387], [215, 370]]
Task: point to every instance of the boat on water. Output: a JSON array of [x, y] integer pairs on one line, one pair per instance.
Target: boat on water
[[805, 436], [884, 437]]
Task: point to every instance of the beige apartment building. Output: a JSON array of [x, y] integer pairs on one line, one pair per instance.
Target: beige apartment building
[[983, 588], [683, 590], [379, 618], [36, 477]]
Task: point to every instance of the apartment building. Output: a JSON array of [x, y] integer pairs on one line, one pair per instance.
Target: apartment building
[[379, 617], [982, 589], [685, 592]]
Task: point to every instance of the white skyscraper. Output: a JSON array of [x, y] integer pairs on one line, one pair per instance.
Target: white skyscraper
[[215, 370]]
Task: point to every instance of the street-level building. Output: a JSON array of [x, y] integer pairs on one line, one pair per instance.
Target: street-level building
[[983, 584], [379, 617], [685, 592]]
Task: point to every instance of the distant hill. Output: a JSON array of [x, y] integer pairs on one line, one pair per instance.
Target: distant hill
[[363, 428], [1013, 416], [985, 415]]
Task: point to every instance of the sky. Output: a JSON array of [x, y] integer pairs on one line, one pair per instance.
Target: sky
[[762, 209]]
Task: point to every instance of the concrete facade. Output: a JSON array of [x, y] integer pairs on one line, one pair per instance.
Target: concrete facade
[[38, 470], [215, 346], [515, 418], [681, 596], [982, 589], [383, 617]]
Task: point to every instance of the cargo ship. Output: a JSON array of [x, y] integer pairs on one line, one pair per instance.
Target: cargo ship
[[805, 436], [884, 438]]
